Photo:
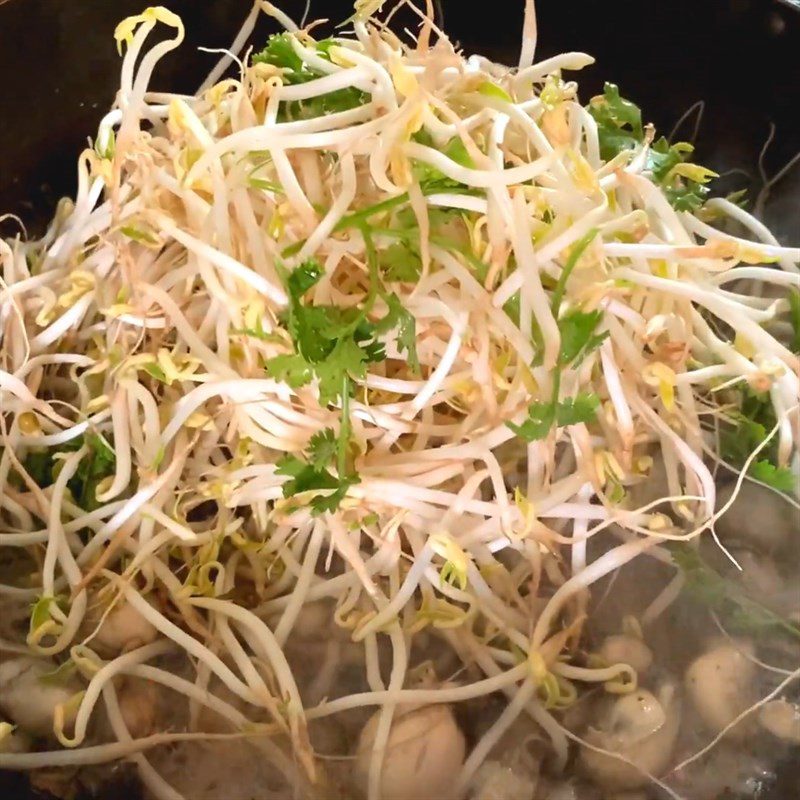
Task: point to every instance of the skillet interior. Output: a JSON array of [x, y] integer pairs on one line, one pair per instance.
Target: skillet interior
[[739, 56]]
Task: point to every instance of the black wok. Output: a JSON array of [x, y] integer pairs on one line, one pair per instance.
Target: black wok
[[60, 70]]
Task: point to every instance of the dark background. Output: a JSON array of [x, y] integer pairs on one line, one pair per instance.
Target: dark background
[[59, 72]]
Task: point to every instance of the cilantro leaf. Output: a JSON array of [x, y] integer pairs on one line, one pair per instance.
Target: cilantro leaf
[[280, 53], [750, 426], [737, 442], [780, 478], [99, 463], [619, 122], [322, 448], [346, 358], [541, 418], [578, 249], [663, 158], [304, 476], [322, 503], [577, 328], [578, 337], [303, 277], [406, 325], [313, 475], [581, 408], [292, 369], [330, 342], [401, 262], [619, 127], [686, 198], [683, 185]]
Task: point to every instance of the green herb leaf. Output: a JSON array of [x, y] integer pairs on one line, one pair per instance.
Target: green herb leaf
[[322, 448], [99, 463], [581, 408], [322, 503], [681, 182], [313, 475], [750, 426], [578, 249], [737, 611], [333, 342], [780, 478], [304, 476], [619, 127], [619, 122], [39, 465], [541, 418], [578, 337], [663, 157], [303, 278], [402, 319], [280, 53], [686, 198], [292, 369], [346, 359], [400, 262]]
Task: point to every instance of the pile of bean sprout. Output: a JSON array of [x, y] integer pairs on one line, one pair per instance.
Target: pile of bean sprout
[[145, 320]]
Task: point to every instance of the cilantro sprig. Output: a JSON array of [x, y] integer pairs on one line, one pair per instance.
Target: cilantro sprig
[[579, 338], [314, 472], [745, 430], [334, 345], [683, 183], [619, 122], [619, 128], [280, 53], [332, 342]]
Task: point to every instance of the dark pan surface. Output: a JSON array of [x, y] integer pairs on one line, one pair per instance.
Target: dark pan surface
[[60, 71]]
